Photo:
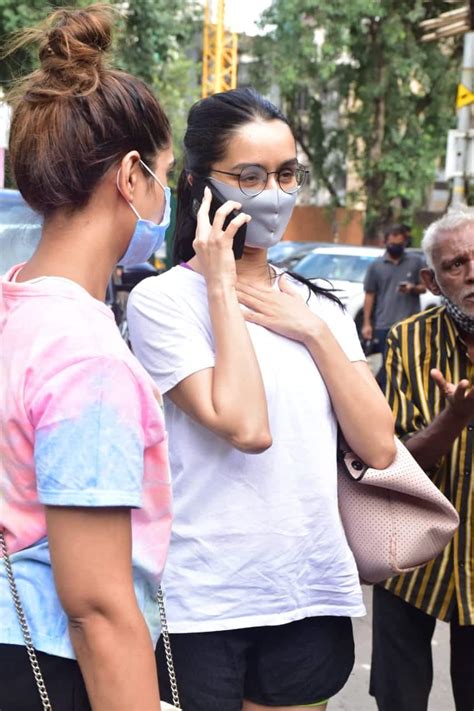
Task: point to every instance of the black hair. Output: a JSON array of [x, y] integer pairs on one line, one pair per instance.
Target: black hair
[[211, 123], [398, 229]]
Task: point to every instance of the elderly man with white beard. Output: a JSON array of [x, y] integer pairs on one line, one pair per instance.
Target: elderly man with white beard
[[430, 374]]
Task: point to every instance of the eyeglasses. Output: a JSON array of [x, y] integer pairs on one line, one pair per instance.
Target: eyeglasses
[[253, 178]]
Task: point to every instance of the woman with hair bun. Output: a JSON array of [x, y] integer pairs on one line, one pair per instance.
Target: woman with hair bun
[[257, 370], [85, 482]]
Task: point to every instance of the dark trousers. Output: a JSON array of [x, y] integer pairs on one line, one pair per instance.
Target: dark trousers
[[402, 664], [62, 678]]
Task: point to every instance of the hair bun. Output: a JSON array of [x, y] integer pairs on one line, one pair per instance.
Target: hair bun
[[72, 47]]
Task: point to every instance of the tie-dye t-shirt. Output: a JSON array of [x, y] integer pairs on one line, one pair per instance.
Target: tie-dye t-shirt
[[81, 425]]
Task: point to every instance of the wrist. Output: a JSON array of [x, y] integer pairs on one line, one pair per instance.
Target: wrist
[[221, 290], [461, 419], [314, 335]]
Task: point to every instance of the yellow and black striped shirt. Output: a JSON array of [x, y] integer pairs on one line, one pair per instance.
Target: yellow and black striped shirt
[[415, 346]]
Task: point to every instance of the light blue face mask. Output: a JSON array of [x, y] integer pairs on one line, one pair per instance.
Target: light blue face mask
[[147, 236]]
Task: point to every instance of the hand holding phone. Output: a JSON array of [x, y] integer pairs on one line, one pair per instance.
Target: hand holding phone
[[404, 287], [197, 192]]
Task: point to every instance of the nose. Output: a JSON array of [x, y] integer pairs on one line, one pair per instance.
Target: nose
[[470, 271], [272, 181]]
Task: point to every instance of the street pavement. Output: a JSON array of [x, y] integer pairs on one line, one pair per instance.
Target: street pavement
[[355, 695]]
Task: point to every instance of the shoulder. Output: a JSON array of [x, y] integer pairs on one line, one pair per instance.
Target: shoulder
[[416, 259], [171, 282], [377, 264], [374, 270], [418, 327], [168, 290]]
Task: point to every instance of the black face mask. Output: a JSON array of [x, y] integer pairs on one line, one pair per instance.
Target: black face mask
[[395, 250]]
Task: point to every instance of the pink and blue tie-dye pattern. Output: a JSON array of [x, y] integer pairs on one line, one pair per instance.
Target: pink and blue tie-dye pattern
[[81, 426]]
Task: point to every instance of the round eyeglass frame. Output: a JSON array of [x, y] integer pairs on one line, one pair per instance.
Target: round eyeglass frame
[[303, 171]]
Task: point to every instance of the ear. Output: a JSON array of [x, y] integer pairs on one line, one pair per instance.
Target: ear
[[127, 174], [189, 178], [429, 279]]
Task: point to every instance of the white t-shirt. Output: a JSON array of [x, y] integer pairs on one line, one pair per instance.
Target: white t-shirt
[[257, 539]]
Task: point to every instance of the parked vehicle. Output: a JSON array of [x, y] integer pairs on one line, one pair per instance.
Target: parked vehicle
[[344, 268], [286, 254], [20, 231]]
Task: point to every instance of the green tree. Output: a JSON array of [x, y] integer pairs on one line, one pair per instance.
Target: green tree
[[155, 40], [160, 42], [15, 16], [375, 99]]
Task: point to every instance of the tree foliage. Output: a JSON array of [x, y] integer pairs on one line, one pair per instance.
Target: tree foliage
[[376, 101], [155, 40], [158, 44]]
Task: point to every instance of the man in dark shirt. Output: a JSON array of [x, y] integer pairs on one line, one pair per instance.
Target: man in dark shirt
[[430, 388], [392, 287]]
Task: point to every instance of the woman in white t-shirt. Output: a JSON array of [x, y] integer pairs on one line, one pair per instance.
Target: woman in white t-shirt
[[257, 369]]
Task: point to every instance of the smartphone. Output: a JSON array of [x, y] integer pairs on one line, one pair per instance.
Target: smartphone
[[197, 191]]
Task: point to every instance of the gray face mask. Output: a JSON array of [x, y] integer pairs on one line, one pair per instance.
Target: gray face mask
[[270, 211]]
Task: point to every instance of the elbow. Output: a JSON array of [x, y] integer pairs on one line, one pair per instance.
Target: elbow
[[383, 456], [252, 442]]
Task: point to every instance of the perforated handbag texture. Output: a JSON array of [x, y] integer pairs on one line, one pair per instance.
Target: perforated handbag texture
[[395, 519]]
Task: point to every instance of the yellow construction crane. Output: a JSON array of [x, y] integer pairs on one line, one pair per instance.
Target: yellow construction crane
[[219, 61]]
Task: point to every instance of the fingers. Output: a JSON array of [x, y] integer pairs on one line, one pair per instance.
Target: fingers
[[252, 301], [285, 286], [462, 391], [203, 212], [456, 393], [224, 211], [259, 293], [257, 318], [231, 229], [439, 379]]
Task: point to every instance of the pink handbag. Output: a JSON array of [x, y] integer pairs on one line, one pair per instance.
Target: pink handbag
[[395, 519]]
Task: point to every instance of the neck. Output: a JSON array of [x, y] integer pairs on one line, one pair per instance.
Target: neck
[[253, 267], [78, 247]]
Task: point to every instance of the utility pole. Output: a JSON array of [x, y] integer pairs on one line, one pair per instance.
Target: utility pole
[[460, 149], [464, 119]]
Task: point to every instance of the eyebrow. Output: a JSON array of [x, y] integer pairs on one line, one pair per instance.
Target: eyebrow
[[259, 165], [447, 262]]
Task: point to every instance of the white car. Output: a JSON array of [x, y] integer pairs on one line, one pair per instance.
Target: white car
[[344, 267]]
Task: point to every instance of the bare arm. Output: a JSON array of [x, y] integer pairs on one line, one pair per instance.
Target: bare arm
[[228, 399], [433, 442], [367, 328], [91, 558], [351, 386]]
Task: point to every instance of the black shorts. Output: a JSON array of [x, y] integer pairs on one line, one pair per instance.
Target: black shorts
[[299, 663], [62, 678]]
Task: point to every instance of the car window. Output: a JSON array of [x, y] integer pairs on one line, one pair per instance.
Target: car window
[[346, 267], [282, 250], [20, 230]]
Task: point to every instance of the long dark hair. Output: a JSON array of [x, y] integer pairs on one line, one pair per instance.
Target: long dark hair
[[211, 124]]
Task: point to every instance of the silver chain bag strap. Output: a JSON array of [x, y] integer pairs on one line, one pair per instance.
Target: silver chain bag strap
[[24, 627], [169, 657], [32, 654]]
